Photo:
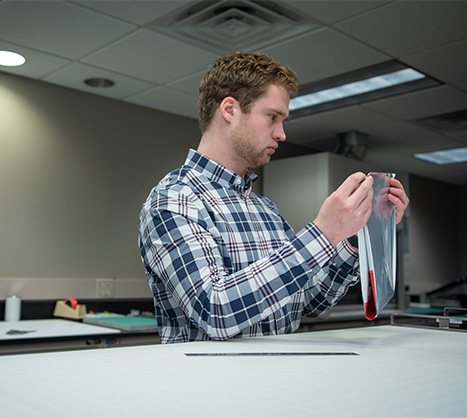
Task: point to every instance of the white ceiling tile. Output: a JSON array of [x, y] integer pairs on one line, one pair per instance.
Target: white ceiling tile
[[333, 11], [420, 104], [324, 53], [168, 100], [408, 138], [73, 76], [139, 12], [189, 84], [462, 85], [434, 62], [461, 172], [406, 27], [57, 27], [37, 63], [460, 135], [344, 120], [164, 59]]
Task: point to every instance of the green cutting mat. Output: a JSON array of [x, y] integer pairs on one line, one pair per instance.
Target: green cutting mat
[[125, 323]]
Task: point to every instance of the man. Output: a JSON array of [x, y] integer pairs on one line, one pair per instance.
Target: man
[[220, 260]]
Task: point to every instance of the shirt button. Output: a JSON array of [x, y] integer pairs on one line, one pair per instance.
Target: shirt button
[[238, 181]]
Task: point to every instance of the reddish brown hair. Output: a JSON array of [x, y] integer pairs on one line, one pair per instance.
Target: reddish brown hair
[[243, 76]]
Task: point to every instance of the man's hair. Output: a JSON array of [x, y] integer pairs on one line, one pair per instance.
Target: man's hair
[[243, 76]]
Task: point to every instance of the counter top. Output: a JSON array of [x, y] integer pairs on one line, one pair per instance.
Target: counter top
[[379, 371]]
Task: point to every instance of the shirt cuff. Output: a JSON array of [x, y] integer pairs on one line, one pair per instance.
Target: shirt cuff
[[346, 251]]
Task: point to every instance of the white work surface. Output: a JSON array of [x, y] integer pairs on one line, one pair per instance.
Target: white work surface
[[398, 372], [50, 328]]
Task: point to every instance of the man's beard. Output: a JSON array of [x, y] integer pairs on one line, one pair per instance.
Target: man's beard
[[245, 149]]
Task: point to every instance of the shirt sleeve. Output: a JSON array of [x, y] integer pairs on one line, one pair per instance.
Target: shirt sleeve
[[179, 244], [330, 284]]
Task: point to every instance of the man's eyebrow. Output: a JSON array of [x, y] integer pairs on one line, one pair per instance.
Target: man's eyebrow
[[285, 115]]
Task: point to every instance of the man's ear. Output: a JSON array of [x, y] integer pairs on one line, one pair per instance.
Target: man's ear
[[229, 108]]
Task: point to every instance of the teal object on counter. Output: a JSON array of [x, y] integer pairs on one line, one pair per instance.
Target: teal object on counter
[[124, 323]]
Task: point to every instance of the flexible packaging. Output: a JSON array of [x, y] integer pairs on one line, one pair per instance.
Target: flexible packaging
[[377, 249], [12, 309]]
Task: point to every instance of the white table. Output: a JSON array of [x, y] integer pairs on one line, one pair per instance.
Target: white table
[[42, 335], [48, 328], [398, 372]]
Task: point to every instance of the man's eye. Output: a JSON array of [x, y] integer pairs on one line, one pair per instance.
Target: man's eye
[[273, 117]]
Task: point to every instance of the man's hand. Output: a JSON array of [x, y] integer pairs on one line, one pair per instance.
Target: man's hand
[[398, 198], [349, 207]]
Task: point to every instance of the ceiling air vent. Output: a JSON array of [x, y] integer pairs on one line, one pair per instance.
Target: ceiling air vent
[[227, 26], [447, 122]]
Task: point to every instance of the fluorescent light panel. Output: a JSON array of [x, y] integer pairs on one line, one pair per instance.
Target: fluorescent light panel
[[449, 156], [381, 80], [355, 88]]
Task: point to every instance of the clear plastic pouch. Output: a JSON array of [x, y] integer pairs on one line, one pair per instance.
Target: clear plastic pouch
[[377, 249]]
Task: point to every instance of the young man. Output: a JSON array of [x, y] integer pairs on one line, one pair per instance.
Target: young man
[[220, 260]]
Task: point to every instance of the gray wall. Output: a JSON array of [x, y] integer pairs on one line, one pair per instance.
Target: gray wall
[[463, 229], [437, 231], [74, 171]]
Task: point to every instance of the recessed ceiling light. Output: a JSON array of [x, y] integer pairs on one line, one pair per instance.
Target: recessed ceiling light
[[11, 59], [359, 86], [448, 156], [99, 82]]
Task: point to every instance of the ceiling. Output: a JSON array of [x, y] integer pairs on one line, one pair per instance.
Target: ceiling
[[157, 51]]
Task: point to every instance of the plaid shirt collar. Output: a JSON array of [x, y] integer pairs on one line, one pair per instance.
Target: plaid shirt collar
[[220, 174]]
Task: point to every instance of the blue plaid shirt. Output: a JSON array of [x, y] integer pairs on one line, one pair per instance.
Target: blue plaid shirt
[[222, 262]]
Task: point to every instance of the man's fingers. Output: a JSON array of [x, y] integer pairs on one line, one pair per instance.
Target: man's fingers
[[352, 183], [363, 192], [397, 189], [398, 198]]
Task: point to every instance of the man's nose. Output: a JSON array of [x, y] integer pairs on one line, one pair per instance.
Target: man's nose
[[279, 134]]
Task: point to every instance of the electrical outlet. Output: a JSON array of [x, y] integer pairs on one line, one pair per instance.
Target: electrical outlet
[[105, 288]]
